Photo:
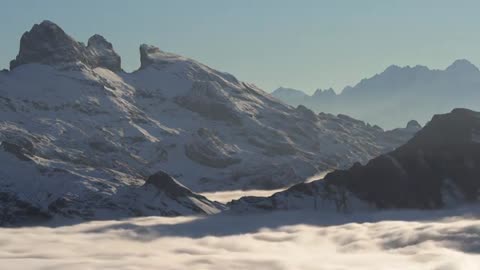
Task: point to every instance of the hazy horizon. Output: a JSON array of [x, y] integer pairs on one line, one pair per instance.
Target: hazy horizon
[[335, 45]]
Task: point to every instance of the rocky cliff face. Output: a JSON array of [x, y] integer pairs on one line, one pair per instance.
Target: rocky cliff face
[[47, 43], [438, 167]]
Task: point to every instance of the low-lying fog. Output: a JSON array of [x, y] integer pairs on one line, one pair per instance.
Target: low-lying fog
[[436, 240], [227, 196]]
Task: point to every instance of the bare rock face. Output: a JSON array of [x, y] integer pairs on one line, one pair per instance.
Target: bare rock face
[[165, 183], [47, 43], [103, 53]]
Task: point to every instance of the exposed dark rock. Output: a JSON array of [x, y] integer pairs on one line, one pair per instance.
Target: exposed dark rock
[[103, 52], [438, 167], [17, 150], [47, 43], [445, 152], [145, 55], [165, 183], [14, 211]]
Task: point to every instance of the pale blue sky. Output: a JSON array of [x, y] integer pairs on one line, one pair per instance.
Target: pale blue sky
[[299, 44]]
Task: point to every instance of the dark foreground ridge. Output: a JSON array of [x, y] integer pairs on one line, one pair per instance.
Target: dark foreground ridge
[[438, 167]]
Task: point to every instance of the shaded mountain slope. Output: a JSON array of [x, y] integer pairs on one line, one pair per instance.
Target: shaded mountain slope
[[438, 167]]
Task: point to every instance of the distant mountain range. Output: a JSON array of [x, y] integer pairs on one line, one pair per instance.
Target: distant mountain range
[[439, 167], [398, 94]]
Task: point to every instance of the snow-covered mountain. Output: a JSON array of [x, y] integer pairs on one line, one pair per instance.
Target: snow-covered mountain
[[437, 168], [80, 136], [398, 94]]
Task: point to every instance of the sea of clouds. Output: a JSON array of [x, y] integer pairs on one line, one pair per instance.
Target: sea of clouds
[[439, 240]]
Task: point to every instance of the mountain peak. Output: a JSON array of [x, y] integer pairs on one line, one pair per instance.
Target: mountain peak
[[47, 43], [457, 127], [324, 93], [462, 66], [103, 52], [393, 68], [49, 24], [413, 124], [150, 54]]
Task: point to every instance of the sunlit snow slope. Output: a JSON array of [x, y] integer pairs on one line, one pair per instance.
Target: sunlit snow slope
[[76, 130]]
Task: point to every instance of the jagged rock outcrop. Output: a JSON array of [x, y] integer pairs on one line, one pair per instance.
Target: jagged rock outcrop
[[173, 199], [103, 53], [47, 43], [328, 94], [438, 167]]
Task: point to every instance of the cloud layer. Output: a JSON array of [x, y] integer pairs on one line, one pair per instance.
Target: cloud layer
[[437, 243]]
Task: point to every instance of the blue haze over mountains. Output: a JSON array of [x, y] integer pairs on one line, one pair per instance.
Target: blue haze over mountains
[[397, 95]]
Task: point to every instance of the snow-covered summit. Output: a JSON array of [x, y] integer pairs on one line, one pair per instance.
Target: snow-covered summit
[[91, 136]]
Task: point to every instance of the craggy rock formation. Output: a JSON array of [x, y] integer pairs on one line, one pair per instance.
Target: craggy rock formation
[[46, 43]]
